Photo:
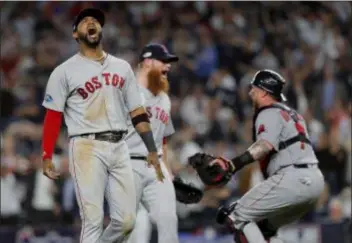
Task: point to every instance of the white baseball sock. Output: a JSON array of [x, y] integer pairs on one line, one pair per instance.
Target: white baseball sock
[[253, 233]]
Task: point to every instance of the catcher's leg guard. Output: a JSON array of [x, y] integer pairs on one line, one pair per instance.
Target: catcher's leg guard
[[244, 232], [239, 237], [267, 230], [224, 212], [222, 217]]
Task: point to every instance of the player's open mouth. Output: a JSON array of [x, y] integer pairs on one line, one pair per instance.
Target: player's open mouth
[[164, 73], [92, 31]]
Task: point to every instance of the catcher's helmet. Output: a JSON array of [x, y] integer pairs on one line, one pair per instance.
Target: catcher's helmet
[[270, 81]]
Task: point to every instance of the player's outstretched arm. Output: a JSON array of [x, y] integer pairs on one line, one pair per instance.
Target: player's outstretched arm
[[214, 171], [257, 151], [141, 123]]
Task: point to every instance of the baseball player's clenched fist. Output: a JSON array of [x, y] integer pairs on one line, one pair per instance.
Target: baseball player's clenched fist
[[153, 160], [49, 169]]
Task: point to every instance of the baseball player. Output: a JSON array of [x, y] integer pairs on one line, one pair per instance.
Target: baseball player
[[158, 198], [281, 145], [92, 90]]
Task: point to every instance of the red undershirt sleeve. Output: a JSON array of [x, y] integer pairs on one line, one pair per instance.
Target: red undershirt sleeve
[[51, 130]]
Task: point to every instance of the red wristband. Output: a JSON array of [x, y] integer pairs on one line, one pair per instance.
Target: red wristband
[[51, 130]]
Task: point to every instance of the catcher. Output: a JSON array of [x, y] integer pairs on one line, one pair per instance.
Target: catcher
[[293, 181]]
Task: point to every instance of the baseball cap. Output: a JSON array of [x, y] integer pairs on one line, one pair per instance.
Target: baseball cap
[[158, 52], [91, 12]]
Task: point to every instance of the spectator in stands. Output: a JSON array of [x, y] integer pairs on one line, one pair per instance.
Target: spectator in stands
[[332, 161], [65, 200]]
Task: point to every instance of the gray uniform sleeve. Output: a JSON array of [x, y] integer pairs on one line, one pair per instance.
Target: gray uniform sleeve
[[131, 92], [56, 91], [268, 126], [169, 129]]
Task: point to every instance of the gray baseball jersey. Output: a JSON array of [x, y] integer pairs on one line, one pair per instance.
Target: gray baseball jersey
[[93, 96], [96, 98], [158, 198], [158, 109], [275, 125]]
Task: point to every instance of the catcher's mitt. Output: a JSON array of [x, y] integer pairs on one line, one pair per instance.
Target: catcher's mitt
[[186, 193], [213, 171]]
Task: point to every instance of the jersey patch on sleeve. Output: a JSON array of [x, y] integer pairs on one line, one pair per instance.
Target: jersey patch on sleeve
[[48, 98], [261, 129]]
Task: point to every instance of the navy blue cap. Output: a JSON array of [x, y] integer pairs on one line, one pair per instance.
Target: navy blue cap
[[91, 12], [158, 52]]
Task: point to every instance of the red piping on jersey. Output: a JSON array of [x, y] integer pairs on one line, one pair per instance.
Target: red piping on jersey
[[51, 130]]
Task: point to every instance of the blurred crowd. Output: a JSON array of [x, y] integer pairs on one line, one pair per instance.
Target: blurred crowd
[[220, 45]]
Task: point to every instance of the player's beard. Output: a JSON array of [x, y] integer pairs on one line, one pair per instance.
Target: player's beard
[[83, 37], [156, 82], [255, 105]]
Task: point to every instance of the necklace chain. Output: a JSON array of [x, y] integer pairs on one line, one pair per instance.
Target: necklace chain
[[96, 59]]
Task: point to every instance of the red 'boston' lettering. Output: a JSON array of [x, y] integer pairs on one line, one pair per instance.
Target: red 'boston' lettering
[[149, 113], [122, 83], [115, 80], [96, 82], [89, 86], [158, 114], [82, 93], [106, 76]]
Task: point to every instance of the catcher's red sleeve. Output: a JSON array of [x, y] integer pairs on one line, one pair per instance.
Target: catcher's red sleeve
[[51, 130]]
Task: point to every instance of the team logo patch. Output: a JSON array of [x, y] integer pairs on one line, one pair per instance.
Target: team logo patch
[[261, 129], [48, 98], [147, 54]]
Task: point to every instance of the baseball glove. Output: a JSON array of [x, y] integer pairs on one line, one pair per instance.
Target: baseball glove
[[213, 171], [186, 193]]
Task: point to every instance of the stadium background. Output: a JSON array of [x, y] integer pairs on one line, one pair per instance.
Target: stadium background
[[220, 45]]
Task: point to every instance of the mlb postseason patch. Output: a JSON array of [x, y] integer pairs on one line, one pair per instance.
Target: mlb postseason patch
[[48, 98]]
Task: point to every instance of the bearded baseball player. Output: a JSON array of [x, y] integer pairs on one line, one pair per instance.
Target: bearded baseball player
[[159, 199], [92, 90], [281, 144]]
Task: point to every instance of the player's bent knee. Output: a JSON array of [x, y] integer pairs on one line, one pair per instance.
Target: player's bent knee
[[124, 225], [128, 224], [93, 219]]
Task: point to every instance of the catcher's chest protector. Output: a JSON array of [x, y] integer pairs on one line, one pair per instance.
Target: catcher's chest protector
[[301, 137]]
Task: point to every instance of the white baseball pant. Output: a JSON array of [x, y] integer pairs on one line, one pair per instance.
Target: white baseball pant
[[102, 168], [159, 199]]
